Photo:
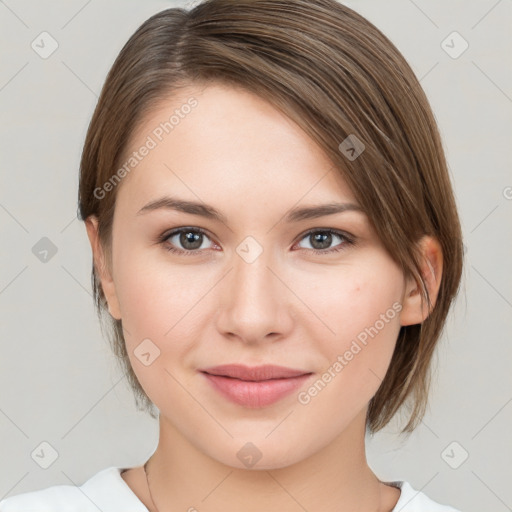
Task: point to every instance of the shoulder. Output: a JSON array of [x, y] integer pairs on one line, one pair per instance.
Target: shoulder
[[105, 491], [412, 500], [57, 498]]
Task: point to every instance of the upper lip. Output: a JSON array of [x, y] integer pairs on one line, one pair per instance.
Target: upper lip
[[254, 373]]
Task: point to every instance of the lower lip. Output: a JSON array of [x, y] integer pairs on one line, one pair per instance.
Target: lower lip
[[255, 394]]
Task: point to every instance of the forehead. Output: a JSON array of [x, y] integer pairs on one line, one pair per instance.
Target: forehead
[[217, 143]]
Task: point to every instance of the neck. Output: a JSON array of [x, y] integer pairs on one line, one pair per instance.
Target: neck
[[336, 478]]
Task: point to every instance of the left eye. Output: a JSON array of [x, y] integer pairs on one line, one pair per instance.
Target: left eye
[[321, 240]]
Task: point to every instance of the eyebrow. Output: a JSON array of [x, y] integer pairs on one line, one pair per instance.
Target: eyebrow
[[209, 212]]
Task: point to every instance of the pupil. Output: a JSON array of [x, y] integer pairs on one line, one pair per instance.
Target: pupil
[[191, 240], [323, 238]]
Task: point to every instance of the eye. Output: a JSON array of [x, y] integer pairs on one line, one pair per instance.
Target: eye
[[321, 239], [190, 239]]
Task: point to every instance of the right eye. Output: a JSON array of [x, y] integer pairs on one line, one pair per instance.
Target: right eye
[[190, 239]]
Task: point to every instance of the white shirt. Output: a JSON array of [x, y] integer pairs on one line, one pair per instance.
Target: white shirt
[[108, 492]]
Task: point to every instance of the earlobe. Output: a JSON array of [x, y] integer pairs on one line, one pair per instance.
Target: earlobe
[[102, 270], [414, 310]]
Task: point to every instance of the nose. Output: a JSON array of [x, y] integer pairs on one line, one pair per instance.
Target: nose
[[255, 304]]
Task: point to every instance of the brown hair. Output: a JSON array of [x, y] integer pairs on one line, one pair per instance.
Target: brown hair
[[337, 76]]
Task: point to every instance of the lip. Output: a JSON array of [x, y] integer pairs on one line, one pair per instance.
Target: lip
[[256, 386], [254, 373]]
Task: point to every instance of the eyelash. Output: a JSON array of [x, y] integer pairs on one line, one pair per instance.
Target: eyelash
[[347, 240]]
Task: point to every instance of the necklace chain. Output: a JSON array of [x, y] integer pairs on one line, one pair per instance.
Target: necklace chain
[[149, 489]]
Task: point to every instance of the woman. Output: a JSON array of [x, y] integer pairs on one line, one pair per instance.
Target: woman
[[277, 245]]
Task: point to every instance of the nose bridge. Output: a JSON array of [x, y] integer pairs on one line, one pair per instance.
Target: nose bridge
[[252, 280], [254, 301]]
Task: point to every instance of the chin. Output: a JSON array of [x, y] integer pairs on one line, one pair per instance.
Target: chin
[[263, 455]]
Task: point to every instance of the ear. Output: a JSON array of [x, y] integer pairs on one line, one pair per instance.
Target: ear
[[413, 311], [102, 268]]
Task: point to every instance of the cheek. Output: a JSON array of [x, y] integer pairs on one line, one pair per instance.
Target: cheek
[[162, 307], [166, 304], [349, 299], [364, 313], [155, 296], [357, 318]]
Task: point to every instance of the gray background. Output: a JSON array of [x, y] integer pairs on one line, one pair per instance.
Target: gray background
[[58, 381]]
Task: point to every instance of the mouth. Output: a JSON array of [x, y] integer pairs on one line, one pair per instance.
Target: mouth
[[254, 373], [257, 386]]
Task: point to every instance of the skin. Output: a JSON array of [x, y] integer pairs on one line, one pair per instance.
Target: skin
[[289, 307]]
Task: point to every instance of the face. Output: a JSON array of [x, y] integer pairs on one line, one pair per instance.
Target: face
[[257, 286]]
